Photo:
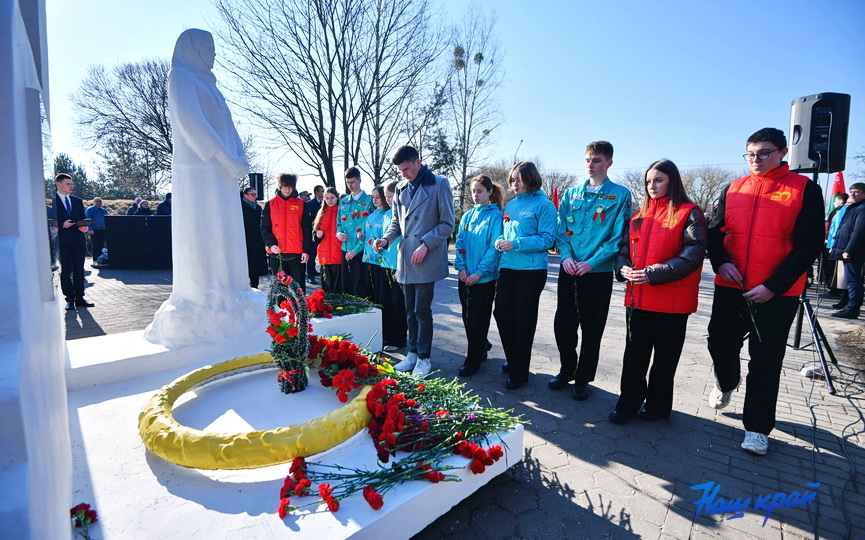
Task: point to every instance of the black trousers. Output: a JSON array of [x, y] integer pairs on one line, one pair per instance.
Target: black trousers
[[291, 265], [389, 295], [730, 322], [583, 302], [331, 278], [665, 334], [477, 303], [355, 276], [310, 268], [517, 295], [98, 240], [72, 269]]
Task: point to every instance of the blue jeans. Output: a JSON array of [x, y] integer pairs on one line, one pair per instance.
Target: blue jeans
[[418, 316], [853, 275]]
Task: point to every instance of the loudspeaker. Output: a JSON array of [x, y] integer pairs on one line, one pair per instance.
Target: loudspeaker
[[256, 180], [818, 133]]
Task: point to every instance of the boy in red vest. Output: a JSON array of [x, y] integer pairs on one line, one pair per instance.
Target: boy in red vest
[[287, 230], [763, 237]]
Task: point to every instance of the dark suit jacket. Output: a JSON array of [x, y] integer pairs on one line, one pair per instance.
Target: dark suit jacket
[[70, 236], [312, 208]]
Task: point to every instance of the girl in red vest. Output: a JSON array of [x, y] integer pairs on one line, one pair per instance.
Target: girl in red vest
[[329, 246], [661, 260]]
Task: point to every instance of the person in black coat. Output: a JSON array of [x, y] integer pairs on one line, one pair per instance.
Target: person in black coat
[[69, 210], [849, 248], [256, 256], [312, 206], [143, 209]]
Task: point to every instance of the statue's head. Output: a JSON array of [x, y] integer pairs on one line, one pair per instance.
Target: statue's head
[[194, 50]]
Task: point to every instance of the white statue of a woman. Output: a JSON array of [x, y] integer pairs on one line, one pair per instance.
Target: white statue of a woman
[[211, 298]]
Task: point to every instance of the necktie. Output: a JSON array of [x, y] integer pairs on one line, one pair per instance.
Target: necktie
[[68, 206]]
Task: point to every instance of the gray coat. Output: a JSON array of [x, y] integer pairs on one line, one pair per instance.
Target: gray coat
[[427, 217]]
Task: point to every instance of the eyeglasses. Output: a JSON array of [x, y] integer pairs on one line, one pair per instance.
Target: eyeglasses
[[758, 157]]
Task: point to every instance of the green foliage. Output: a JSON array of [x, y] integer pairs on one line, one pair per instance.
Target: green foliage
[[84, 188]]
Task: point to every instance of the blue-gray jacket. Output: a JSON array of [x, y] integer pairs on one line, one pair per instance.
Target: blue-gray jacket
[[476, 250], [530, 223]]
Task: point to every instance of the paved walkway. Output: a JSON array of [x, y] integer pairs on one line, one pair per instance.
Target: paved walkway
[[583, 477]]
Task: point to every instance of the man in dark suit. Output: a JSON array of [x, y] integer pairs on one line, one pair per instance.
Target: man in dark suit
[[312, 206], [73, 246]]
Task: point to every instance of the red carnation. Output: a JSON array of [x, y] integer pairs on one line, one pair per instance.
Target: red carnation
[[496, 452], [506, 218], [373, 497], [343, 218], [283, 506], [477, 467], [364, 214], [332, 504], [462, 252], [569, 233]]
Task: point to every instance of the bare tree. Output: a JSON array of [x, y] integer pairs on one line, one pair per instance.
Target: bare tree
[[704, 184], [633, 179], [403, 46], [130, 103], [329, 79], [860, 173], [472, 107]]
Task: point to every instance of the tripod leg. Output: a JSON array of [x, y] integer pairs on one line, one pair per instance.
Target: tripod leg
[[811, 321], [825, 341], [797, 335]]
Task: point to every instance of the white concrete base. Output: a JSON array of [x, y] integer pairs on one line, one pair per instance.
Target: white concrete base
[[139, 495], [118, 357], [365, 328]]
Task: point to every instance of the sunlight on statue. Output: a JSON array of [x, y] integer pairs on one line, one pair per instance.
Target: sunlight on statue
[[211, 295]]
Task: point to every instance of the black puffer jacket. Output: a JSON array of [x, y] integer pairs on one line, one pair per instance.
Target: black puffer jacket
[[850, 237]]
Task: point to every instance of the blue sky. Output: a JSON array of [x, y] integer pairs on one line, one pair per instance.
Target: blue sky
[[684, 80]]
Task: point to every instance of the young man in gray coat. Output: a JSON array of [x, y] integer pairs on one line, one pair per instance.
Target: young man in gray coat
[[423, 214]]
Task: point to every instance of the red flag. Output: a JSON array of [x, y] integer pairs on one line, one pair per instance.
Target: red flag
[[838, 186], [556, 196]]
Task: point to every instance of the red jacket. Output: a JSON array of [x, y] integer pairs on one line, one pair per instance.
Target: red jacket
[[672, 256], [329, 247], [287, 220], [760, 214]]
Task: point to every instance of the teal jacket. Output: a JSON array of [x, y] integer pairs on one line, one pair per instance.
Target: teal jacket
[[374, 227], [590, 225], [351, 218], [389, 256], [530, 223], [476, 239]]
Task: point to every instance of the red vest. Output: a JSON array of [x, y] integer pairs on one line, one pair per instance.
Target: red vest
[[329, 248], [760, 214], [658, 239], [286, 217]]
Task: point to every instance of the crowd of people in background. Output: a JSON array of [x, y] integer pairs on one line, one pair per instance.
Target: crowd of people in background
[[765, 232]]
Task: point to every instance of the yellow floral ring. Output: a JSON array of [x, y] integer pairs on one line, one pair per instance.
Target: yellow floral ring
[[189, 447]]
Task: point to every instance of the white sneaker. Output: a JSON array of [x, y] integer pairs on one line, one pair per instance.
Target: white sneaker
[[422, 368], [718, 399], [407, 364], [756, 443]]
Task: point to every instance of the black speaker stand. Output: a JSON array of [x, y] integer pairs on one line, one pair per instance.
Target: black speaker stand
[[817, 335]]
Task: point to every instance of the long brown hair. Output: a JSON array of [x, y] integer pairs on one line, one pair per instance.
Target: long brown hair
[[320, 214], [676, 195], [381, 195], [497, 196]]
